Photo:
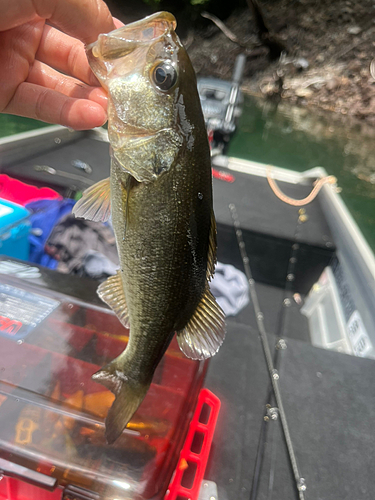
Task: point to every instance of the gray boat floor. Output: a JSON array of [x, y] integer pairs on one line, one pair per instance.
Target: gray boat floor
[[328, 396], [329, 400]]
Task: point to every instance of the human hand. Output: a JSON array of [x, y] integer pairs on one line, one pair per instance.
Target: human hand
[[44, 73]]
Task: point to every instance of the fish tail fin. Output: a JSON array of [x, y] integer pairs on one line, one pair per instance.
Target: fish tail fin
[[123, 408], [129, 395]]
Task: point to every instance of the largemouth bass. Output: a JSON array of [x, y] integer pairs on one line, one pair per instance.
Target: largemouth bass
[[159, 196]]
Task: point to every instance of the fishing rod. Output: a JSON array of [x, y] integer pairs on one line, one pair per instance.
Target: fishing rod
[[280, 345], [273, 372]]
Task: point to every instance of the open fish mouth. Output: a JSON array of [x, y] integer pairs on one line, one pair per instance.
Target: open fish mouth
[[124, 40]]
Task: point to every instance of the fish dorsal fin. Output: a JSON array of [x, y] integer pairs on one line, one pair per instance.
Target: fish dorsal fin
[[111, 291], [211, 257], [205, 332], [95, 203]]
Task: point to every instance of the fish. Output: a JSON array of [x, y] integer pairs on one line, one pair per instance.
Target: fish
[[159, 199]]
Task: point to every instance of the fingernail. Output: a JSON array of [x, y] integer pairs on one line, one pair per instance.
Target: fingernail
[[117, 22], [98, 116], [98, 95]]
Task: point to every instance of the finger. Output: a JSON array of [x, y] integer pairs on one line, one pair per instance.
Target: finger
[[66, 54], [17, 51], [14, 14], [44, 104], [44, 76], [82, 19]]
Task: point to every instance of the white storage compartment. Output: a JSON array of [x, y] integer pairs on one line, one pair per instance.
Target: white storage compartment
[[329, 326]]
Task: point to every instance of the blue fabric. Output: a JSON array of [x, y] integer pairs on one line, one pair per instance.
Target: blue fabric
[[45, 214]]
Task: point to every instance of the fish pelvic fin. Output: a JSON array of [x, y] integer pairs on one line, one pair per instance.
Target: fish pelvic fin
[[203, 335], [95, 203], [129, 395], [111, 291], [212, 245]]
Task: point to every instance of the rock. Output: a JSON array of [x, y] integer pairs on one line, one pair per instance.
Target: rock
[[303, 92], [354, 30], [301, 63], [333, 83], [344, 81], [354, 65], [371, 107]]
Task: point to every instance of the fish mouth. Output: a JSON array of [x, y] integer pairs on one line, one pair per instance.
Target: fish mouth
[[124, 40]]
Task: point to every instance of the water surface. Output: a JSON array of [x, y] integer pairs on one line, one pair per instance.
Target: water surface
[[10, 124]]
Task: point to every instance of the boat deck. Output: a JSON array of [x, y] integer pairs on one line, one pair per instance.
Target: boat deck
[[323, 391], [328, 396]]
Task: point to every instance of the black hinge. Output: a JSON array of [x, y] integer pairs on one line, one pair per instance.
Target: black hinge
[[72, 492], [29, 476]]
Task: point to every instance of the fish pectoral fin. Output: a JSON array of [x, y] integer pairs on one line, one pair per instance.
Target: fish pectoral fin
[[212, 245], [111, 291], [205, 332], [129, 395], [95, 203]]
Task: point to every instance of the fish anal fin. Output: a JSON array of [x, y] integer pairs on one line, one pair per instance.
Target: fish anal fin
[[211, 257], [129, 395], [95, 203], [111, 291], [205, 331]]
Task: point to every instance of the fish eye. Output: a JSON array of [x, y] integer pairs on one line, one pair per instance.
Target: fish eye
[[164, 76]]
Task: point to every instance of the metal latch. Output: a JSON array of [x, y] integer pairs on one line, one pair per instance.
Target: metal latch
[[208, 491], [82, 165]]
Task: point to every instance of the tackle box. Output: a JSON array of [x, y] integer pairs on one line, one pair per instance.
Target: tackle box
[[52, 443], [14, 230]]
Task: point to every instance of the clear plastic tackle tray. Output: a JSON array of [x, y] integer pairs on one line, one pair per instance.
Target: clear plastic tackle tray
[[52, 413]]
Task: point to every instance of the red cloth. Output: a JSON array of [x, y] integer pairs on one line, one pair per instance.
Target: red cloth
[[21, 193]]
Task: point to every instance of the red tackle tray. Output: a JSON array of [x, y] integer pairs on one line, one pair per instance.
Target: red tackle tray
[[52, 413]]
